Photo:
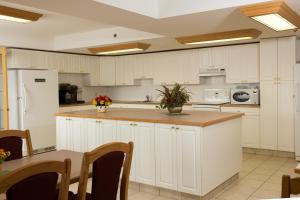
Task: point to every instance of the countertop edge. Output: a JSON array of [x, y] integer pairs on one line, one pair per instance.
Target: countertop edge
[[184, 123]]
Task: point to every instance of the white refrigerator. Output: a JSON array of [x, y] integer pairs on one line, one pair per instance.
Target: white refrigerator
[[33, 101], [297, 111]]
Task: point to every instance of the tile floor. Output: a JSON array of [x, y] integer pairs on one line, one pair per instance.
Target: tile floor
[[260, 178]]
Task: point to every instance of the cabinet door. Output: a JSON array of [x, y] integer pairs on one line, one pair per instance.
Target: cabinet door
[[219, 57], [124, 71], [166, 157], [268, 115], [145, 153], [188, 155], [107, 71], [268, 59], [108, 131], [286, 58], [93, 132], [75, 135], [205, 58], [250, 56], [61, 133], [286, 111], [125, 133], [250, 131], [189, 67], [234, 71]]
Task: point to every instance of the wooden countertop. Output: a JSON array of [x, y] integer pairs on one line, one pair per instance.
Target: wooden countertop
[[189, 118], [241, 105]]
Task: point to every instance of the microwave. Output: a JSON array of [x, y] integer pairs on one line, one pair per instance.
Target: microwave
[[244, 96]]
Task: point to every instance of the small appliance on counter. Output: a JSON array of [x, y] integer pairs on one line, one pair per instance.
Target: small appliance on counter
[[244, 95], [67, 93], [213, 99]]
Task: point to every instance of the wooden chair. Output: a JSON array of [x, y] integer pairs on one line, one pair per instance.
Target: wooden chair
[[11, 140], [37, 181], [290, 186], [108, 161]]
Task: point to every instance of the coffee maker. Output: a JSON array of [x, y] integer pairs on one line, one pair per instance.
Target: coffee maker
[[67, 93]]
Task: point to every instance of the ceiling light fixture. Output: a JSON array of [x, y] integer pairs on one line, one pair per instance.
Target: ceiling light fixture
[[228, 36], [275, 14], [120, 48], [17, 15]]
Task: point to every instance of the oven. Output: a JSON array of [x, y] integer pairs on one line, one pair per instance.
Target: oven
[[245, 96]]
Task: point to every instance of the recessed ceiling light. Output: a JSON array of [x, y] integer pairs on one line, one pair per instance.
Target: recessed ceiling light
[[120, 48], [17, 15], [228, 36], [276, 15]]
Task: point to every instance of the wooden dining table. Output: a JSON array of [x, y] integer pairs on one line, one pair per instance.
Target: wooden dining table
[[61, 155]]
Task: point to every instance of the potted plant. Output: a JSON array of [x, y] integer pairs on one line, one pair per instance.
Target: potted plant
[[102, 103], [173, 99], [3, 155]]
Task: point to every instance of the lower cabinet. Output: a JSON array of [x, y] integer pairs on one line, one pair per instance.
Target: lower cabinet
[[70, 134], [99, 132], [175, 157], [250, 125], [142, 134], [178, 158]]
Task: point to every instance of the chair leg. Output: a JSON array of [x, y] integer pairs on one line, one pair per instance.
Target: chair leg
[[286, 186]]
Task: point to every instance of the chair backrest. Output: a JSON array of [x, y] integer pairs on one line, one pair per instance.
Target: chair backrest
[[108, 161], [290, 186], [12, 140], [37, 181]]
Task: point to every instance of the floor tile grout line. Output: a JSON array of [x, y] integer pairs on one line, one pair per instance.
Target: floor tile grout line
[[267, 178], [230, 186]]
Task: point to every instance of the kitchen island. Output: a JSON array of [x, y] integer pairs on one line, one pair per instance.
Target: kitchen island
[[193, 153]]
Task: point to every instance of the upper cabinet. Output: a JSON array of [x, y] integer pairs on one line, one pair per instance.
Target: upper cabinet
[[107, 71], [213, 57], [243, 64], [278, 57], [18, 58]]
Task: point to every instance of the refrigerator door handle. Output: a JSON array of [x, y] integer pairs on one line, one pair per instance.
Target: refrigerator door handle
[[25, 98]]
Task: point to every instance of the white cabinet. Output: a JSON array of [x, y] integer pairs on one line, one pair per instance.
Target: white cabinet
[[93, 76], [100, 132], [70, 134], [278, 58], [145, 153], [142, 134], [188, 159], [286, 110], [107, 71], [18, 58], [268, 59], [250, 125], [166, 156], [277, 115], [189, 67], [268, 115], [178, 158], [243, 64], [125, 133]]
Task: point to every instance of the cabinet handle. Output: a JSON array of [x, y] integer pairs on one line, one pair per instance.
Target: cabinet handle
[[177, 128], [173, 127], [98, 121]]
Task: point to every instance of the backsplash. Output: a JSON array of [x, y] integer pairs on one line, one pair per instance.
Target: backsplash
[[144, 87]]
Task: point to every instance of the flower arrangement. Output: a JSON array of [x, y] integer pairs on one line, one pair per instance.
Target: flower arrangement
[[173, 99], [102, 103], [3, 155]]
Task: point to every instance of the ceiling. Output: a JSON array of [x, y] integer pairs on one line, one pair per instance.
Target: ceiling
[[90, 23]]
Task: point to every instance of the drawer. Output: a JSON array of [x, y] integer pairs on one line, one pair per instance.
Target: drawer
[[247, 111]]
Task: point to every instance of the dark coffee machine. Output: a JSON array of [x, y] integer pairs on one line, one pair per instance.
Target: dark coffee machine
[[67, 93]]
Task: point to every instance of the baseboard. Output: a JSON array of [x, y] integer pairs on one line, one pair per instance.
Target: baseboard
[[268, 152]]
